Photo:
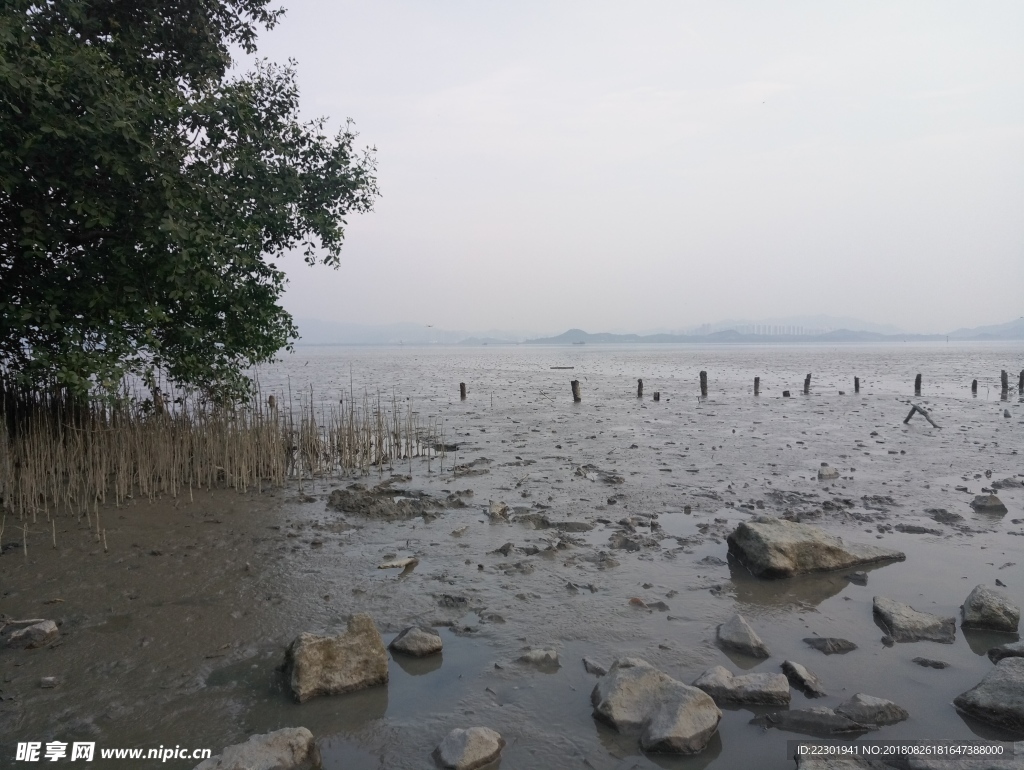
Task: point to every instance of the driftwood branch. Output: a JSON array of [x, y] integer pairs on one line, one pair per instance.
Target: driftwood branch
[[924, 413]]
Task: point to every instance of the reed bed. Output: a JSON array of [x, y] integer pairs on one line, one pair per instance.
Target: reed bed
[[62, 456]]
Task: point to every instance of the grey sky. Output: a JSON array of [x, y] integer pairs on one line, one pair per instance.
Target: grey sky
[[639, 165]]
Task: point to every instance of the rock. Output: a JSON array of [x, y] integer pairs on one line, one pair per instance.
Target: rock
[[418, 641], [988, 504], [868, 710], [930, 663], [497, 511], [736, 634], [991, 609], [538, 657], [762, 689], [999, 697], [816, 720], [383, 501], [840, 763], [469, 749], [1011, 650], [858, 578], [505, 550], [669, 715], [803, 679], [905, 624], [48, 682], [572, 526], [776, 548], [332, 665], [279, 750], [591, 666], [916, 529], [830, 645], [827, 473], [36, 635]]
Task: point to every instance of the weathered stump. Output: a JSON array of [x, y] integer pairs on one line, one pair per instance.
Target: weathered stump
[[462, 391], [757, 386], [657, 395], [1004, 380], [807, 385], [704, 384], [639, 388], [785, 394], [974, 387], [917, 385], [576, 397], [856, 384]]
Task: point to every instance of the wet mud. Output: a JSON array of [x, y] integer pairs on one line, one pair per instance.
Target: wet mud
[[610, 541]]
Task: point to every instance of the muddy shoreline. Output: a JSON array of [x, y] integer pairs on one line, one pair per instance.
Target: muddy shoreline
[[173, 634]]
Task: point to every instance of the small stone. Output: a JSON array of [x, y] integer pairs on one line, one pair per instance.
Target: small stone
[[736, 634], [591, 666], [469, 749], [816, 720], [827, 473], [418, 641], [859, 578], [48, 682], [830, 645], [999, 697], [868, 710], [1010, 650], [930, 663]]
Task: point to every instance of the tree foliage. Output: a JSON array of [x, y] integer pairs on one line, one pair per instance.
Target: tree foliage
[[146, 195]]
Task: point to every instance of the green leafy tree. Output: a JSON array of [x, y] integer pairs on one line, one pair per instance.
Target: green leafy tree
[[146, 195]]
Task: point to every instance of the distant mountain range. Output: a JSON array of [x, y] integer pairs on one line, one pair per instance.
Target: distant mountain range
[[823, 329]]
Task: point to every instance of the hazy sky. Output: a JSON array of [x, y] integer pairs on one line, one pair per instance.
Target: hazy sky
[[639, 165]]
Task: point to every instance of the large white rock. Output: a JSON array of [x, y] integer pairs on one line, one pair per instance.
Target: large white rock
[[724, 687], [279, 750], [999, 697], [776, 548], [905, 624], [990, 608], [469, 749], [669, 715], [332, 665]]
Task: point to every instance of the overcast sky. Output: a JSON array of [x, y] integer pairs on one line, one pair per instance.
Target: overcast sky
[[637, 165]]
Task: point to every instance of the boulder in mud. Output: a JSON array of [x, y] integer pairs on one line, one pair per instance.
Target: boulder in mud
[[991, 609], [35, 635], [737, 635], [988, 504], [469, 749], [827, 473], [998, 698], [905, 624], [383, 502], [418, 641], [868, 710], [1010, 650], [776, 548], [279, 750], [761, 689], [803, 679], [815, 720], [635, 697], [332, 665]]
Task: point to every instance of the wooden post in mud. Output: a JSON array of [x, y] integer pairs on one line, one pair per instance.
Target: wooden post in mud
[[704, 384], [757, 386], [575, 384], [657, 395], [1005, 381], [272, 403], [807, 384], [1020, 382], [974, 387], [639, 388], [462, 391], [917, 385], [856, 384], [785, 394]]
